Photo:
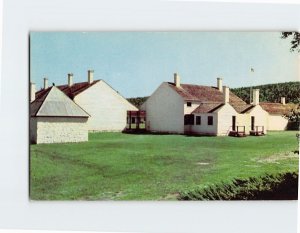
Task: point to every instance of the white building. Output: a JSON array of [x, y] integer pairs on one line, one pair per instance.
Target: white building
[[186, 108], [107, 108], [276, 112], [55, 118]]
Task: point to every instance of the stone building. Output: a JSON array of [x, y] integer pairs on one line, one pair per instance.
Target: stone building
[[107, 107], [55, 118]]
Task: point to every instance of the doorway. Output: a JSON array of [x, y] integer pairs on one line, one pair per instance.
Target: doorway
[[233, 123], [252, 122]]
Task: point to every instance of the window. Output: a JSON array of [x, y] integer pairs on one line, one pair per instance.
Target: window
[[198, 120], [188, 119], [189, 104], [133, 120], [210, 120]]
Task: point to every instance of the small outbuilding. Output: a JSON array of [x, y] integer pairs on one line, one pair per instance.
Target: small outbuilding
[[55, 118], [106, 106]]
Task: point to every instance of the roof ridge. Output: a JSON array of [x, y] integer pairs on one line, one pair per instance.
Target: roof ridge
[[58, 104], [197, 85], [42, 100], [78, 83], [199, 93]]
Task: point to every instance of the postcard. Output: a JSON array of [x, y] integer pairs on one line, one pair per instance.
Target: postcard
[[164, 115]]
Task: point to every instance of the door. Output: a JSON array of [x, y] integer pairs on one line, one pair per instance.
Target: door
[[252, 122], [233, 122]]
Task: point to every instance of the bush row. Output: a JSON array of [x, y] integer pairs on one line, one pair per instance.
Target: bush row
[[283, 186]]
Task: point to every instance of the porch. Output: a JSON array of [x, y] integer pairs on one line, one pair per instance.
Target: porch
[[258, 131], [238, 131], [136, 120]]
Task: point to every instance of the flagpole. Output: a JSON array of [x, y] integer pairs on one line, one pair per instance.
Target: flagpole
[[251, 71]]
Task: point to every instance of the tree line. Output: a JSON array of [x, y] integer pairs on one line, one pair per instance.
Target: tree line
[[272, 92], [138, 101]]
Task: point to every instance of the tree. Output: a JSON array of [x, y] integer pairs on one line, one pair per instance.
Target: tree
[[294, 118], [294, 114], [295, 43]]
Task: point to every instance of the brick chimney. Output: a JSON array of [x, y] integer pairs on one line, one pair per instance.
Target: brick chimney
[[225, 95], [282, 100], [70, 79], [90, 76], [219, 84], [176, 80], [255, 97], [32, 92], [45, 83]]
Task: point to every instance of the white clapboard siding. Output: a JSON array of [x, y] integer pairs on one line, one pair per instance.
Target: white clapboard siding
[[164, 111], [107, 108]]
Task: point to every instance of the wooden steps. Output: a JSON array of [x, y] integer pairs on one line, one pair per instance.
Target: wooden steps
[[237, 134]]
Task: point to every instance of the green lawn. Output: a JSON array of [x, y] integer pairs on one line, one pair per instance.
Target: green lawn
[[152, 167]]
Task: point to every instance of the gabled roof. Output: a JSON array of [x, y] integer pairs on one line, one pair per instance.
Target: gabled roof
[[211, 96], [53, 102], [277, 108], [243, 108], [72, 91], [207, 107], [203, 93]]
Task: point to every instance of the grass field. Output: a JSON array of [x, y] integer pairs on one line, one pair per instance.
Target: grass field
[[116, 166]]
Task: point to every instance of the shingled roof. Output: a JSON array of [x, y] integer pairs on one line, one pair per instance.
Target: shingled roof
[[70, 91], [210, 96], [277, 108], [207, 107], [53, 102]]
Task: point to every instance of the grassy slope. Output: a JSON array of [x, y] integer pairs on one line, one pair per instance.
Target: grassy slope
[[152, 167]]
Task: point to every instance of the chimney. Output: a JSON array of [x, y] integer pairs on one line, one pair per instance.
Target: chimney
[[90, 76], [255, 97], [226, 94], [219, 84], [32, 92], [176, 80], [45, 83], [70, 79], [282, 100]]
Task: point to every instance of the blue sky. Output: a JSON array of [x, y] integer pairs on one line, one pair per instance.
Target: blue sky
[[136, 63]]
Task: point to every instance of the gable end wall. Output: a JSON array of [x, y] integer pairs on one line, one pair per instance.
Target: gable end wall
[[165, 111], [108, 110]]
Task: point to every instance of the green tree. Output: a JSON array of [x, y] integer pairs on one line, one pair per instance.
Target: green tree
[[295, 42]]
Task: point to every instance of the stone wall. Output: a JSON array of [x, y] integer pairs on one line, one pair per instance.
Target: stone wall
[[60, 129], [33, 129]]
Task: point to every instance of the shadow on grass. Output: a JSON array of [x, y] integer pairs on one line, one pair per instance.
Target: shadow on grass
[[282, 186], [145, 132]]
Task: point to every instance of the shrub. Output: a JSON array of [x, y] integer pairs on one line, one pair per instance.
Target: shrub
[[282, 186]]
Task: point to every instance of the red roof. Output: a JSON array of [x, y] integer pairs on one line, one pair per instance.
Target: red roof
[[277, 108], [72, 91], [210, 95], [207, 107]]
